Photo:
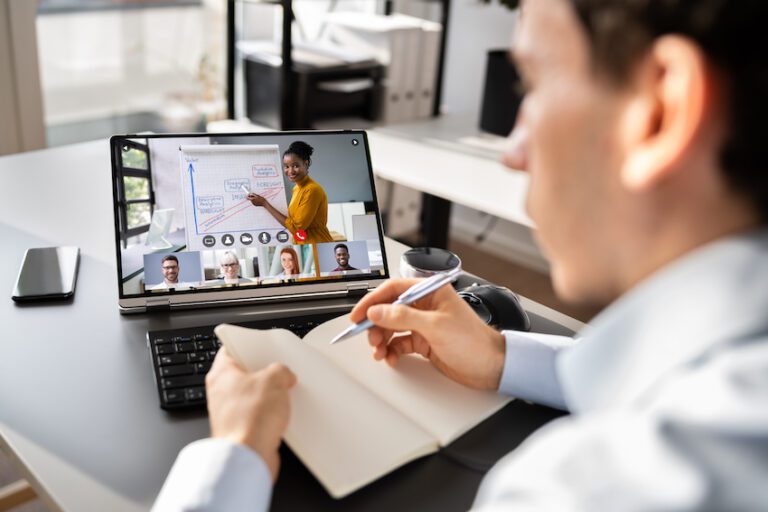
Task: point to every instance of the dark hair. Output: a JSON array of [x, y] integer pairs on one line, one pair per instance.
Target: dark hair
[[172, 257], [339, 246], [301, 149], [731, 34]]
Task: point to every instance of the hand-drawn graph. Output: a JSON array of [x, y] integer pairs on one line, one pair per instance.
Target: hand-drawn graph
[[216, 180]]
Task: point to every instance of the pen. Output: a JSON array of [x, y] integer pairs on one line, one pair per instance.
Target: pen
[[245, 189], [409, 296]]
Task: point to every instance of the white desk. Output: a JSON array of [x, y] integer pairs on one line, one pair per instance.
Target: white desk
[[432, 157], [422, 156], [78, 405]]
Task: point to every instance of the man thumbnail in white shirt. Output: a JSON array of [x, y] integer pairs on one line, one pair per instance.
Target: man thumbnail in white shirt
[[171, 270]]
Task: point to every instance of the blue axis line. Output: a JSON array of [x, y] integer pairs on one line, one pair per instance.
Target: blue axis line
[[191, 171]]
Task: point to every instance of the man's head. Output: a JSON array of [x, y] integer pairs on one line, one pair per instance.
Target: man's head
[[341, 252], [632, 133], [230, 266], [170, 266]]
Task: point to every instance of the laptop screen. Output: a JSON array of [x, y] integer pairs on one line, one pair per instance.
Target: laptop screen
[[211, 212]]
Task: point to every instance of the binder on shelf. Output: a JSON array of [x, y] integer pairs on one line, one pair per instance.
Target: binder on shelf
[[422, 61], [394, 110], [411, 40], [431, 34]]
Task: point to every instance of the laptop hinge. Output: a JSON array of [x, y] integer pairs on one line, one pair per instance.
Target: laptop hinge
[[159, 304], [357, 289]]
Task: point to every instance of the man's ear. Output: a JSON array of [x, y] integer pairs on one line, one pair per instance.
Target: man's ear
[[666, 112]]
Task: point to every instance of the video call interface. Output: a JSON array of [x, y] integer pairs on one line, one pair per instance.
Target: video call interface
[[218, 212]]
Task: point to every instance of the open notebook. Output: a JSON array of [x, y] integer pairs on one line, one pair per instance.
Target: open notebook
[[354, 419]]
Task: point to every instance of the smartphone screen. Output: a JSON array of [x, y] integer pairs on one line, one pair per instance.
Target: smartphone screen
[[47, 273]]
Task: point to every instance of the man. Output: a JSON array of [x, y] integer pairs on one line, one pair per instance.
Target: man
[[341, 251], [170, 268], [641, 133]]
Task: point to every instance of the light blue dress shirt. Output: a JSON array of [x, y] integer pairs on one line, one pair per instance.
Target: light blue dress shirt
[[216, 475], [668, 390], [669, 393]]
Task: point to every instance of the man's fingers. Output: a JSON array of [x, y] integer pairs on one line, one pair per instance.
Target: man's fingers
[[398, 317], [378, 336], [401, 344], [409, 344], [384, 294], [223, 360], [279, 375], [223, 364]]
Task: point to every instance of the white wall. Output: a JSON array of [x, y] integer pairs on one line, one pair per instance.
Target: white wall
[[21, 116], [473, 29], [9, 137]]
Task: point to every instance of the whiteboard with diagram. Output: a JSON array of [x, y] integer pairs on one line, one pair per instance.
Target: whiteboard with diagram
[[216, 180]]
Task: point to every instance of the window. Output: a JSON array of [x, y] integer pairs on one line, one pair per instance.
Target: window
[[158, 66], [60, 6], [135, 196]]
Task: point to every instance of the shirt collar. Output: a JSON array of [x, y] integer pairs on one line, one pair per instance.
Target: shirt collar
[[715, 295]]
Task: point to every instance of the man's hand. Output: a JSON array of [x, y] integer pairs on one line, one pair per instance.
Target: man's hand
[[256, 199], [249, 408], [442, 328]]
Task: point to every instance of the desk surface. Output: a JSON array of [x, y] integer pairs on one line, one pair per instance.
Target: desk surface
[[78, 405]]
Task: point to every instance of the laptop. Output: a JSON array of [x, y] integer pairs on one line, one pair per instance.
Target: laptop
[[187, 235]]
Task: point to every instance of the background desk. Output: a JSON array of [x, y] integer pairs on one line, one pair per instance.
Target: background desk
[[435, 158], [78, 405], [447, 159]]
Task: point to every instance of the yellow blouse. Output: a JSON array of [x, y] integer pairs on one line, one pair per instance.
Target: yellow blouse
[[308, 210]]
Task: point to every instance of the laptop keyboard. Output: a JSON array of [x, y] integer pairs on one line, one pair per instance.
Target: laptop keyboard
[[182, 357]]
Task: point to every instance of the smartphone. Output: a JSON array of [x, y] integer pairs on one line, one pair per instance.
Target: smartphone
[[47, 273]]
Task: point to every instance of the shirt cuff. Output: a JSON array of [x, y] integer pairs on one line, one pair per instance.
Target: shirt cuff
[[529, 367], [216, 474]]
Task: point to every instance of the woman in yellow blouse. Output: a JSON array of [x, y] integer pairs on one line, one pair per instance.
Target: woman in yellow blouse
[[308, 209]]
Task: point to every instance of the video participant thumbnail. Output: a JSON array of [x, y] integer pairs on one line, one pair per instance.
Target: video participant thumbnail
[[343, 258], [231, 271], [175, 271], [286, 263]]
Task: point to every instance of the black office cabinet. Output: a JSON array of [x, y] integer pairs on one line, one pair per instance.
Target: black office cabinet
[[501, 96], [306, 102]]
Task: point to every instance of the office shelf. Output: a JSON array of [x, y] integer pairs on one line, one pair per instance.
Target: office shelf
[[292, 83]]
